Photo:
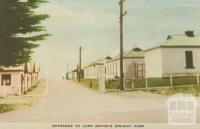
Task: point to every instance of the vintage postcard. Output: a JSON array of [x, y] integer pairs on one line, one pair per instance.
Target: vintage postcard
[[99, 64]]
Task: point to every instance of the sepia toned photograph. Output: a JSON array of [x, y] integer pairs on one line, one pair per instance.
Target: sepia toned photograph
[[103, 64]]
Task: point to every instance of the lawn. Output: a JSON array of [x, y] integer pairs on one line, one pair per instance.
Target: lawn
[[155, 85], [158, 92], [193, 90], [112, 84], [90, 83], [8, 107], [94, 84], [31, 98]]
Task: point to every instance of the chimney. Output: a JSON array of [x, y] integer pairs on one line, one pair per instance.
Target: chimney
[[134, 45], [169, 37], [189, 33], [137, 49]]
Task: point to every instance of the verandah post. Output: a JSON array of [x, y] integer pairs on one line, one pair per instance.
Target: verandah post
[[171, 80], [197, 78], [146, 82], [133, 84], [102, 80], [4, 89], [124, 81]]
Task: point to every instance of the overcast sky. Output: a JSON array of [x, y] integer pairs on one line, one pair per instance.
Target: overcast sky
[[94, 25]]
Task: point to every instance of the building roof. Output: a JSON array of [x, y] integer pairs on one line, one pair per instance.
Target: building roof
[[133, 53], [27, 68], [179, 41], [99, 62], [12, 69], [36, 68], [74, 70]]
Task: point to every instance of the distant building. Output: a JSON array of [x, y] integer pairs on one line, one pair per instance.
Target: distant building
[[133, 65], [72, 75], [178, 55], [92, 71]]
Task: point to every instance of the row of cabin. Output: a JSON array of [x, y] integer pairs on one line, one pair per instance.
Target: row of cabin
[[178, 55], [133, 67], [18, 80], [92, 71]]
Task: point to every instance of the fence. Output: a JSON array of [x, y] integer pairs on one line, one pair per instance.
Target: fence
[[145, 83]]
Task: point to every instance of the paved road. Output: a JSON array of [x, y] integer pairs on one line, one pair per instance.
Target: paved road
[[69, 102]]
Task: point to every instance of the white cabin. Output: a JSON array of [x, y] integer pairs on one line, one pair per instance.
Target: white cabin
[[177, 56], [133, 65], [93, 70], [18, 80]]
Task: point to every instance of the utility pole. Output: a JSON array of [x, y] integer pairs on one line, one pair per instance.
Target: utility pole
[[67, 75], [122, 14], [80, 62]]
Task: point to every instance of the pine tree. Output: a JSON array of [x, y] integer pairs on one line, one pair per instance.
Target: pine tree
[[20, 29]]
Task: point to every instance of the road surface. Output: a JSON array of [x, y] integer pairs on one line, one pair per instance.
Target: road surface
[[67, 101]]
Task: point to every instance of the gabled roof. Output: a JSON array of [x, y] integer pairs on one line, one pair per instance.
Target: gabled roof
[[74, 70], [28, 67], [99, 62], [133, 53], [179, 41], [36, 68], [12, 69]]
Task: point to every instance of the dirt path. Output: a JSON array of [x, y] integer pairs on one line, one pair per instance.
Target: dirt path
[[70, 102]]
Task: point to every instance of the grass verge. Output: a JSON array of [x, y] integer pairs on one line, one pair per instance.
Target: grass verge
[[7, 107], [31, 98], [193, 90], [90, 83], [154, 82], [180, 83]]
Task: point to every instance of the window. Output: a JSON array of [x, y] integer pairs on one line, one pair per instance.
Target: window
[[189, 59], [110, 69], [22, 79], [113, 68], [116, 67], [106, 69], [6, 79]]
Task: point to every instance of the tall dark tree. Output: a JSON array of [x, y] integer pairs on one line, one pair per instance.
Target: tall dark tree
[[20, 29]]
